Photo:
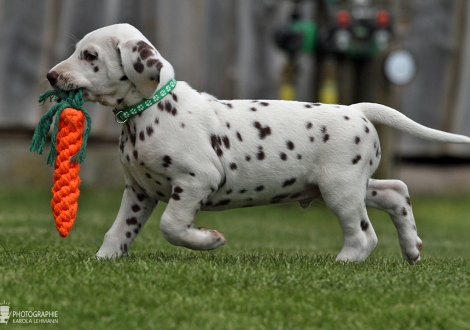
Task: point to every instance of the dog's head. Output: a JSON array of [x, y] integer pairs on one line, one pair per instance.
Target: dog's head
[[115, 65]]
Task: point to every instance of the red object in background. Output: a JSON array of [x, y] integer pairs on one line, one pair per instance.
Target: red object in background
[[383, 19], [343, 19]]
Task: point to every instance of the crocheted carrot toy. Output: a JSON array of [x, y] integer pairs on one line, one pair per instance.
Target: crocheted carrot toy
[[68, 145]]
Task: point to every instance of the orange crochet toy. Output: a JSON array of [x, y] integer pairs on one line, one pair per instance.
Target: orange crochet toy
[[67, 152]]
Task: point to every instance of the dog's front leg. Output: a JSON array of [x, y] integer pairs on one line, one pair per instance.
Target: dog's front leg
[[177, 220], [134, 212]]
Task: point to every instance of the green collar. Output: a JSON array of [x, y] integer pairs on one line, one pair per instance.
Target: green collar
[[123, 115]]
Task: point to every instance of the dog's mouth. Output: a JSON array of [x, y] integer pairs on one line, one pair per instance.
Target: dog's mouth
[[69, 88], [66, 82], [87, 96], [66, 85], [62, 81]]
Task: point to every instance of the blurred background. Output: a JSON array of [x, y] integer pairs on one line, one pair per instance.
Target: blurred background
[[412, 55]]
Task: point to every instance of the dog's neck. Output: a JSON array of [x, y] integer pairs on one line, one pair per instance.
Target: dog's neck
[[123, 115], [131, 97]]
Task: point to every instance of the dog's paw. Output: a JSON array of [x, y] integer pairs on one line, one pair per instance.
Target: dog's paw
[[112, 250], [214, 238], [100, 255], [419, 244], [413, 256]]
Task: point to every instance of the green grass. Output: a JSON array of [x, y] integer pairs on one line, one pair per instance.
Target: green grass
[[276, 272]]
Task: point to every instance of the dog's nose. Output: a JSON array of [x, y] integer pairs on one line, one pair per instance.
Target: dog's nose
[[52, 77]]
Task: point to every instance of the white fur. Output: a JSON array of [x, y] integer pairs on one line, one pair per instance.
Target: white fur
[[195, 152]]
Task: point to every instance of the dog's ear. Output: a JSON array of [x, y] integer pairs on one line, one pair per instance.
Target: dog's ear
[[142, 64]]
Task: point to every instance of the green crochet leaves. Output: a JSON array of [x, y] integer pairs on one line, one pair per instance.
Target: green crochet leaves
[[64, 99]]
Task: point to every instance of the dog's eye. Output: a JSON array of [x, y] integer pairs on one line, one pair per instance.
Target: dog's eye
[[89, 56]]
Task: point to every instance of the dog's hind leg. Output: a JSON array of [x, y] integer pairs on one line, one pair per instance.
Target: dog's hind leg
[[177, 220], [392, 197], [346, 201]]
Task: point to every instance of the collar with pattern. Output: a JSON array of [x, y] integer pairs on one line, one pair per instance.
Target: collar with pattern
[[123, 115]]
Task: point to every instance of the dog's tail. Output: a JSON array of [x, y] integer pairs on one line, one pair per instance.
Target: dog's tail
[[382, 114]]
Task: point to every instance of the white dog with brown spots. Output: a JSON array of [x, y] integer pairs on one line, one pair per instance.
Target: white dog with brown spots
[[194, 152]]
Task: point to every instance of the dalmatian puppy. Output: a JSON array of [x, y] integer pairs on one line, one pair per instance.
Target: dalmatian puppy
[[195, 152]]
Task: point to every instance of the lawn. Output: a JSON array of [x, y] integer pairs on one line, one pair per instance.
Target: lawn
[[276, 272]]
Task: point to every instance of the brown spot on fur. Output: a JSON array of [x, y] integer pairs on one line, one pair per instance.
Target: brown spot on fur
[[226, 142], [290, 145], [145, 53], [138, 66], [356, 159], [263, 131], [364, 225], [260, 154], [289, 182], [131, 221]]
